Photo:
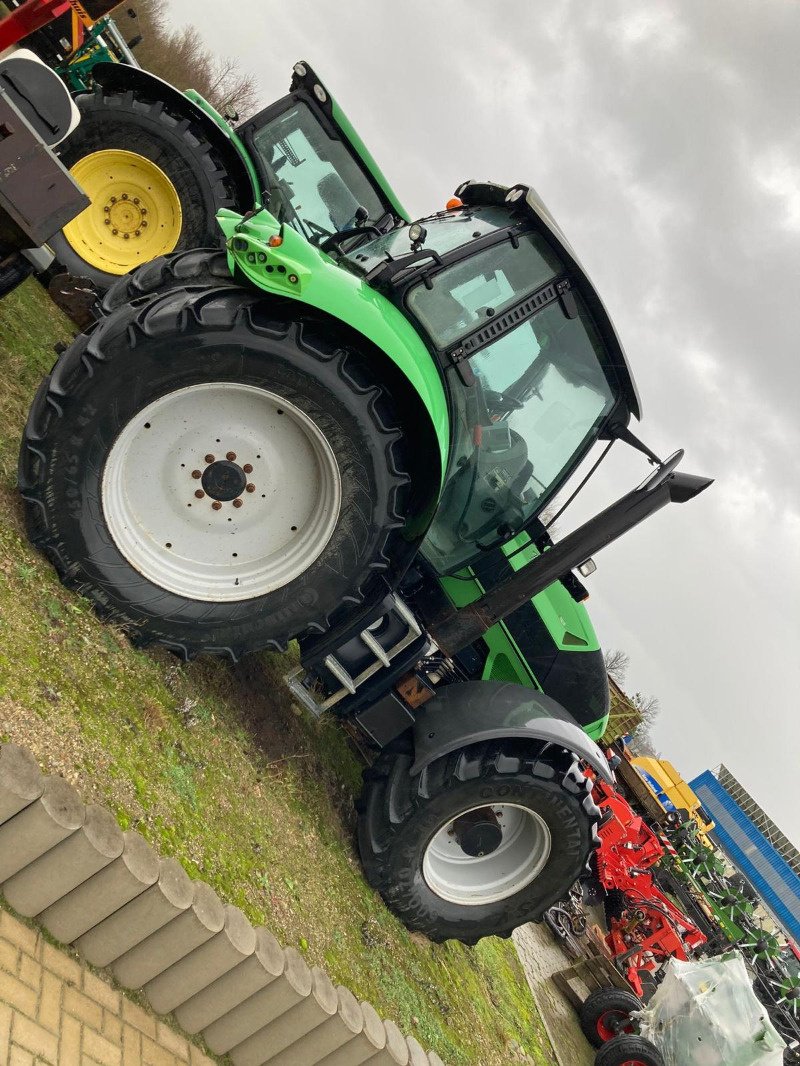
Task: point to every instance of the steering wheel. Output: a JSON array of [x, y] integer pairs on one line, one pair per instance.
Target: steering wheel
[[500, 401]]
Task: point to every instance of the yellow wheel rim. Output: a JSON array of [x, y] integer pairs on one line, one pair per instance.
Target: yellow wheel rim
[[135, 214]]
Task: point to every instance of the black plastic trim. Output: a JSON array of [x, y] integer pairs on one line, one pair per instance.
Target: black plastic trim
[[475, 711]]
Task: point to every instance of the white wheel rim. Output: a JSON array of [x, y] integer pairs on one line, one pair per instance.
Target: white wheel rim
[[244, 547], [471, 881]]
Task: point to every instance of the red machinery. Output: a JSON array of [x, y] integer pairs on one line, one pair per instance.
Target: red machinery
[[645, 927], [33, 14]]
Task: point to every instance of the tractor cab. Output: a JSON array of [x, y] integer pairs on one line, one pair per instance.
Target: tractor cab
[[535, 372]]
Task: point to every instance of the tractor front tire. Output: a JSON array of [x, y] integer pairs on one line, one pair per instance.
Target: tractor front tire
[[214, 479], [478, 843], [154, 180]]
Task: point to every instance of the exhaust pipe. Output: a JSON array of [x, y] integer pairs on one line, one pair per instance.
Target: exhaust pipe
[[454, 629]]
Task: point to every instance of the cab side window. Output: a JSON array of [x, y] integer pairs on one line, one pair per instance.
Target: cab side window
[[316, 185]]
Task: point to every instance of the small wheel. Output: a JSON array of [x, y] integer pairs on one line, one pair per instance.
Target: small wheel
[[629, 1051], [154, 181], [480, 842], [201, 267], [606, 1013], [213, 479], [14, 269]]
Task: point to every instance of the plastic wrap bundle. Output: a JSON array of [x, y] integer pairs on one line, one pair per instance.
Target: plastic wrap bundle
[[706, 1014]]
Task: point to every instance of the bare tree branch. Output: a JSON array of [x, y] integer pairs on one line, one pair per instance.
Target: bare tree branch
[[617, 662]]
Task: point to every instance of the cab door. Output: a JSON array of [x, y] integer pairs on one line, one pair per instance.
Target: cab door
[[318, 177]]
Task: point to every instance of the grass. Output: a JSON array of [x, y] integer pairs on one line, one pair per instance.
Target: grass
[[212, 764]]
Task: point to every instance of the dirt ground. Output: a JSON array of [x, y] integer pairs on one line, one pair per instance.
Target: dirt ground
[[541, 955]]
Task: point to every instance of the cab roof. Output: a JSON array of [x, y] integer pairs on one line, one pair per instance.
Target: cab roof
[[527, 200]]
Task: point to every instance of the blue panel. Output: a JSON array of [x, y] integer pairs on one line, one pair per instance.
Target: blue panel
[[750, 851]]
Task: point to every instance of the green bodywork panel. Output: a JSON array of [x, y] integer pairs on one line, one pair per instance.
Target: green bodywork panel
[[365, 156], [299, 270], [564, 618]]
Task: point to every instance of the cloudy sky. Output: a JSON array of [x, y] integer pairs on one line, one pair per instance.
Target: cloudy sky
[[665, 138]]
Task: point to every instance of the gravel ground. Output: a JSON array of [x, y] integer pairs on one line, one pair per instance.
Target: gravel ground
[[541, 956]]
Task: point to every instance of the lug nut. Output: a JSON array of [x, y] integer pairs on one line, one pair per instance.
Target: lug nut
[[216, 505], [144, 210], [144, 223], [248, 468], [250, 487], [126, 236], [124, 196], [209, 458], [113, 199], [107, 209], [199, 494], [238, 501], [138, 233], [230, 456], [107, 221], [115, 232], [136, 199], [196, 474]]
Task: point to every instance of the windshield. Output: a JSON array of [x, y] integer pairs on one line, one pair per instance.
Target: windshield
[[471, 292], [315, 184], [538, 397]]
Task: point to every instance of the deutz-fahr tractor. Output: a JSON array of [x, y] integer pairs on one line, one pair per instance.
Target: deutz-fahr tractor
[[345, 428]]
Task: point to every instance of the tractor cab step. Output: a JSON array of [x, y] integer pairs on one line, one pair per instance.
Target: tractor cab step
[[385, 643]]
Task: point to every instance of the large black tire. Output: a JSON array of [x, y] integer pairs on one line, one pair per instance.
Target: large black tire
[[605, 1013], [200, 267], [14, 269], [170, 343], [133, 123], [399, 815], [629, 1051]]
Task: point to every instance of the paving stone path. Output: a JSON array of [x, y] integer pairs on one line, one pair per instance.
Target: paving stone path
[[55, 1011], [541, 956]]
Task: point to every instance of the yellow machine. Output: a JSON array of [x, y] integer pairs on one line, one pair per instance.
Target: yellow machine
[[673, 793]]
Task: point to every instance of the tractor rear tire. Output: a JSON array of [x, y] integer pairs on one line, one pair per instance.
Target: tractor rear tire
[[127, 140], [141, 423], [605, 1012], [629, 1051], [197, 267], [420, 837]]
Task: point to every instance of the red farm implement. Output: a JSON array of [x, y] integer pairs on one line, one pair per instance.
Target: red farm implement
[[645, 927], [32, 15]]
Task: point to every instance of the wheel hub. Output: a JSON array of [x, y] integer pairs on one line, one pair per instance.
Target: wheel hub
[[478, 833], [126, 216], [135, 213], [224, 480], [486, 854], [221, 491]]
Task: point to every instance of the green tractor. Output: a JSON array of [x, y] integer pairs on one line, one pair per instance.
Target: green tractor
[[345, 428]]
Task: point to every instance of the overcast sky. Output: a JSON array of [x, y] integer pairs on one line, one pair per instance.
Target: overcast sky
[[665, 138]]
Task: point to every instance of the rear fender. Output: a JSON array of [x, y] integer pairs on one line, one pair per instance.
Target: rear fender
[[475, 711], [119, 77]]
